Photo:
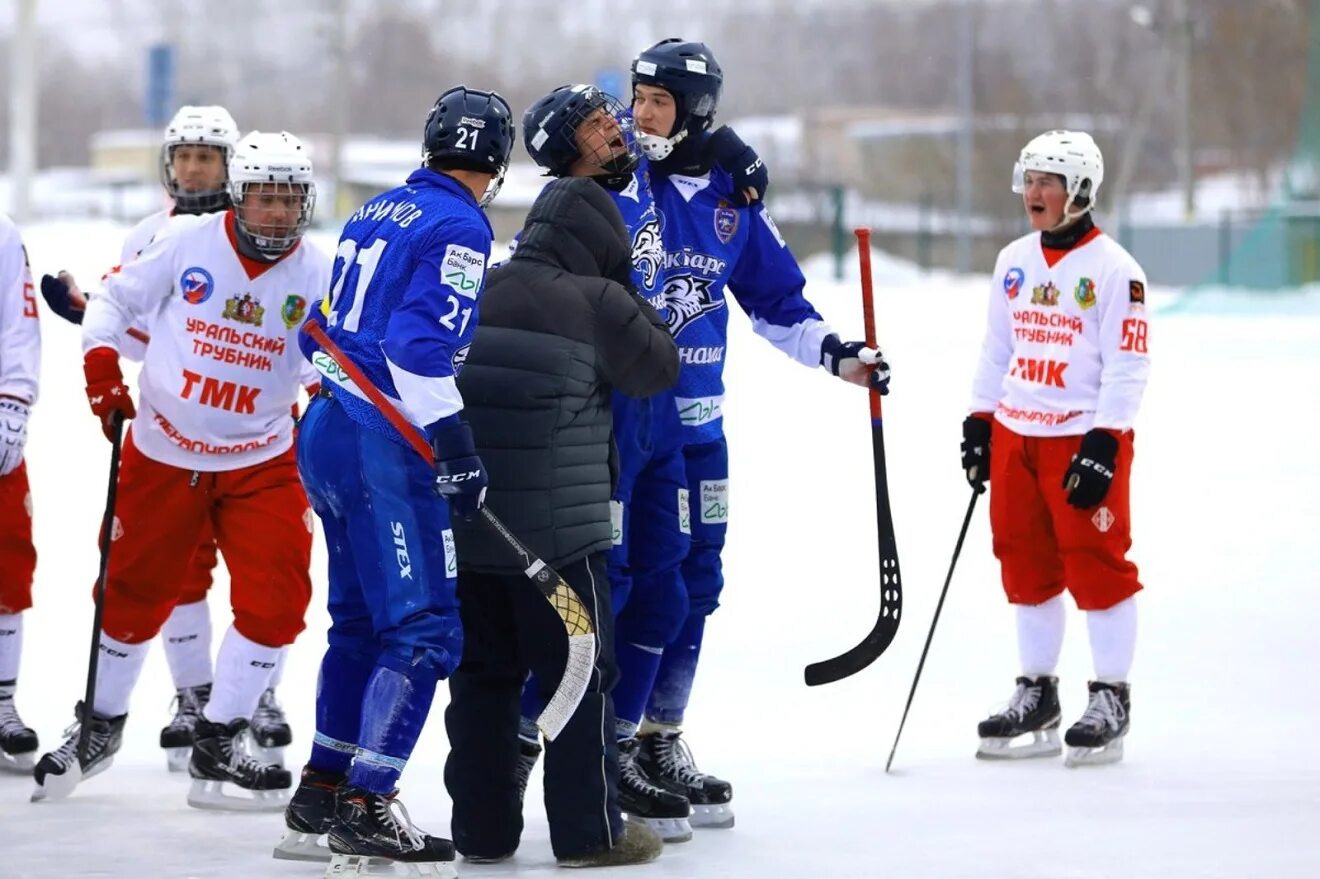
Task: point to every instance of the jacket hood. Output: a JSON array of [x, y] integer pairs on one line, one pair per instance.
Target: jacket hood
[[574, 224]]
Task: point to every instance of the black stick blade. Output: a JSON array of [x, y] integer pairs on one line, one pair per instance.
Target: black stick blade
[[875, 643]]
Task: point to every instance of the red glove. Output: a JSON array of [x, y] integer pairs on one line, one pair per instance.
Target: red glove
[[106, 390]]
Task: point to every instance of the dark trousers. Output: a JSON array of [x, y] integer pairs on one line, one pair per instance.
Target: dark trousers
[[509, 630]]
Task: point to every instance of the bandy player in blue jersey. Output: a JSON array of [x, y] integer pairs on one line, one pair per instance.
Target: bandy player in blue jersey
[[716, 250], [403, 306]]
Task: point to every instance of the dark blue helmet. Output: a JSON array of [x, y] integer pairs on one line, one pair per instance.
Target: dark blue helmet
[[690, 73], [470, 130], [555, 137]]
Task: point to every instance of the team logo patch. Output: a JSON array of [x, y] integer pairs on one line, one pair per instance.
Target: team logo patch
[[1103, 520], [648, 252], [245, 310], [726, 222], [293, 310], [459, 358], [1136, 293], [1085, 293], [714, 501], [1048, 294], [688, 298], [197, 285], [1013, 279]]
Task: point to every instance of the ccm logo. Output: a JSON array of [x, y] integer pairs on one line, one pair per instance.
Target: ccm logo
[[457, 477]]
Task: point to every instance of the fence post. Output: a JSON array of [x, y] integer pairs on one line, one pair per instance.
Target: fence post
[[1225, 246]]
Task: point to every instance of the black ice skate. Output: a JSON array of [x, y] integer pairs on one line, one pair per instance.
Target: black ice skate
[[665, 759], [528, 754], [58, 772], [18, 743], [270, 729], [220, 756], [308, 816], [646, 802], [372, 832], [1034, 711], [638, 844], [1097, 738], [177, 737]]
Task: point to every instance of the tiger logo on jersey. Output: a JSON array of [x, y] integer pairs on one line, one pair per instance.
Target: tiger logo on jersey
[[688, 298], [648, 251]]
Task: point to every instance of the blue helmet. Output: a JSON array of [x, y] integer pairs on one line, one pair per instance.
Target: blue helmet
[[690, 73], [553, 137], [470, 130]]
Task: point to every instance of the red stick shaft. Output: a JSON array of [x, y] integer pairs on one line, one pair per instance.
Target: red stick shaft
[[868, 303]]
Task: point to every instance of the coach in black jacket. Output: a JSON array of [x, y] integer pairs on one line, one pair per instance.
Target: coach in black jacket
[[559, 330]]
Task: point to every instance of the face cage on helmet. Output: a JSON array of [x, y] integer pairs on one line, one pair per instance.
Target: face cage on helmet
[[493, 188], [274, 246], [623, 163], [204, 202]]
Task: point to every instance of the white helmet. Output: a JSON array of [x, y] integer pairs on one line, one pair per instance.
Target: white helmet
[[281, 161], [1070, 154], [208, 126]]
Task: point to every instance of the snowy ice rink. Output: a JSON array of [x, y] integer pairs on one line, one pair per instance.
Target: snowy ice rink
[[1221, 777]]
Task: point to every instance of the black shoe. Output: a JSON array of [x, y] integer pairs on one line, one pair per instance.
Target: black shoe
[[366, 825], [637, 844], [1033, 709], [106, 734], [270, 729], [528, 754], [309, 815], [188, 705], [1098, 736], [666, 760], [219, 755]]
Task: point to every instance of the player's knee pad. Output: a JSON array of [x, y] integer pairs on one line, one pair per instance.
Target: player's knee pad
[[703, 575], [656, 612], [419, 664]]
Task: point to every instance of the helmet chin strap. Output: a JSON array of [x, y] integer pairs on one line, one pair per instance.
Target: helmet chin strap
[[657, 148]]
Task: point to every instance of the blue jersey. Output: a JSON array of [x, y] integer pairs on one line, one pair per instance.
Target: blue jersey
[[407, 279], [712, 246]]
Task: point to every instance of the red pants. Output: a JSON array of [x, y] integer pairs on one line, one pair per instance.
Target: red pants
[[1044, 545], [259, 518], [198, 581], [18, 557]]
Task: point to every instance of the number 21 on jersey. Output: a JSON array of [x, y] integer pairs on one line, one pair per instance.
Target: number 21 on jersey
[[455, 319]]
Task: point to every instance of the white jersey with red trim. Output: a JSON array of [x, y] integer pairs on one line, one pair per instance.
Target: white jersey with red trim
[[133, 345], [222, 369], [20, 329], [1066, 339]]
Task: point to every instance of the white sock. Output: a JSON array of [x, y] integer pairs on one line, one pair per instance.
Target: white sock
[[277, 673], [1040, 635], [11, 645], [242, 673], [1113, 640], [117, 671], [187, 640]]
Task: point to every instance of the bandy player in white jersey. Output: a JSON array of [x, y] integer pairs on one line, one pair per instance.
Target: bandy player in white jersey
[[194, 159], [1061, 375], [226, 293], [20, 364]]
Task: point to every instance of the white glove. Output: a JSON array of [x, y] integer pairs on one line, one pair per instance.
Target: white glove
[[13, 434]]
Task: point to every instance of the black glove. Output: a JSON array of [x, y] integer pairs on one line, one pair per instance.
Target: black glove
[[849, 361], [976, 451], [1092, 469], [460, 477], [56, 293], [725, 148]]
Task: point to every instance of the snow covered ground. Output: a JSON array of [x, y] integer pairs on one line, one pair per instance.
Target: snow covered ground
[[1220, 779]]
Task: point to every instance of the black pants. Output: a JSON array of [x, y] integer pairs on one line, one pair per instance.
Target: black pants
[[509, 629]]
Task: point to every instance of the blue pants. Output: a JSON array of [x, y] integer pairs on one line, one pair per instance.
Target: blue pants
[[395, 627]]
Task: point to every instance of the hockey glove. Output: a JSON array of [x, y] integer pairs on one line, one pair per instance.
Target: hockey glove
[[855, 362], [13, 433], [1092, 469], [976, 451], [64, 297], [750, 178], [460, 477], [106, 391]]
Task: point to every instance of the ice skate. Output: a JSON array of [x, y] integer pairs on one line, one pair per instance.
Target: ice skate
[[372, 834], [57, 773], [1097, 738], [645, 802], [18, 742], [220, 757], [177, 736], [270, 730], [308, 817], [1033, 711], [638, 844], [666, 760]]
